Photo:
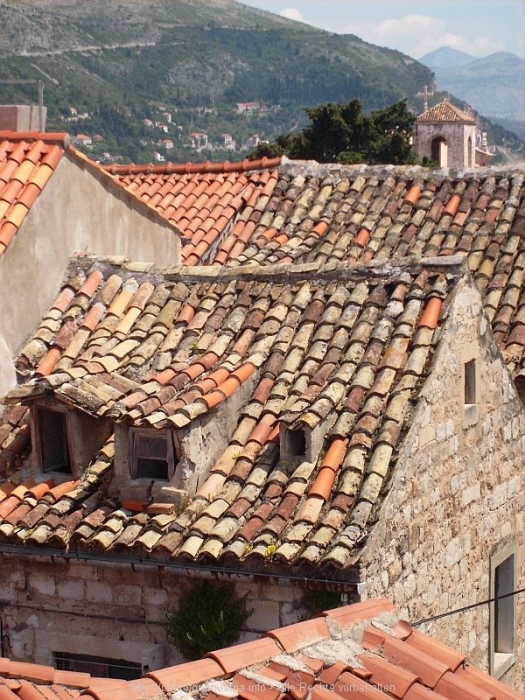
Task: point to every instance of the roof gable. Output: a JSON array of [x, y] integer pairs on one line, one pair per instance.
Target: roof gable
[[445, 112]]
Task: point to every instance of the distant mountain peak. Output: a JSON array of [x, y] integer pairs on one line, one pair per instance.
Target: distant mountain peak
[[446, 57]]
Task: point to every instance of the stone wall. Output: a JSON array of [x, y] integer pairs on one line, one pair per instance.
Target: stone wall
[[114, 610], [456, 135], [457, 495]]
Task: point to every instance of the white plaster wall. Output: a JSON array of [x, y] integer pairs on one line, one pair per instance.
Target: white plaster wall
[[457, 494], [79, 210]]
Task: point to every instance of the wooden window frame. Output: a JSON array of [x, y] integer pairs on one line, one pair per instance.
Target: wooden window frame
[[66, 468], [173, 452]]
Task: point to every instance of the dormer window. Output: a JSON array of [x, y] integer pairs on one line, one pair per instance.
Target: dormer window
[[153, 454], [65, 440], [54, 444]]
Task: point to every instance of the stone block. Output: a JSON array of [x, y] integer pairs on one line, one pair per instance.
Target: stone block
[[290, 613], [127, 595], [453, 553], [43, 585], [264, 616], [74, 589], [470, 494], [87, 572], [426, 435], [158, 596], [99, 592]]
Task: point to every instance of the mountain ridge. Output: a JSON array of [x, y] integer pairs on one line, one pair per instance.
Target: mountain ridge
[[494, 85], [111, 70]]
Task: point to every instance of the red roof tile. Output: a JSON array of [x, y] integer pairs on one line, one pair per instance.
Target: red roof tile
[[253, 338], [250, 671], [27, 161], [206, 201]]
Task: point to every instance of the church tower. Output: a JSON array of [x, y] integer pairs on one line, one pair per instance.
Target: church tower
[[447, 136]]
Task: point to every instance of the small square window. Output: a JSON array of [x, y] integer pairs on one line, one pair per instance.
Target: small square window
[[153, 455], [53, 438]]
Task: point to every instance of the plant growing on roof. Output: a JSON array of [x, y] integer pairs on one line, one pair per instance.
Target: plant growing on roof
[[210, 616]]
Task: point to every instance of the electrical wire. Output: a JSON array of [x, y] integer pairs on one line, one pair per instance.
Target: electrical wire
[[467, 607]]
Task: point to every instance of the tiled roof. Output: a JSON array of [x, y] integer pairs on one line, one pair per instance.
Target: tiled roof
[[445, 112], [38, 682], [216, 206], [363, 651], [27, 161], [327, 214], [310, 345]]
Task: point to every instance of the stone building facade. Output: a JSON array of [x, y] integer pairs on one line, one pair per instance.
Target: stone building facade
[[455, 509], [447, 136], [451, 516]]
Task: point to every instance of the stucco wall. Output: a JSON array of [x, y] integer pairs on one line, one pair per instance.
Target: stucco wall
[[74, 213], [457, 494], [53, 605]]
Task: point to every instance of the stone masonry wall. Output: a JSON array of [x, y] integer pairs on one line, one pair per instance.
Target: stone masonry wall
[[112, 610], [455, 134], [457, 494]]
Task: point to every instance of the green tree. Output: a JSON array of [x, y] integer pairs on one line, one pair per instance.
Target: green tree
[[343, 134]]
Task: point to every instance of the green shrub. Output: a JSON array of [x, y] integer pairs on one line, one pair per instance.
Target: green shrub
[[210, 616]]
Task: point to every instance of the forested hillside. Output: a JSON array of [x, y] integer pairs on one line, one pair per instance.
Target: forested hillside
[[142, 78]]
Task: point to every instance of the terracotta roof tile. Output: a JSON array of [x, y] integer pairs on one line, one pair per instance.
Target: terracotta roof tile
[[328, 668], [444, 112], [27, 161], [313, 343]]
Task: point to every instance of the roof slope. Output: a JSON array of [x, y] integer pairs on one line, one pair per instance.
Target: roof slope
[[27, 161], [346, 349], [325, 213], [445, 112], [364, 651], [216, 206]]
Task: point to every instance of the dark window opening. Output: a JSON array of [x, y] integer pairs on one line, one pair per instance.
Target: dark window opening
[[98, 666], [504, 607], [153, 455], [53, 442], [297, 443], [470, 382]]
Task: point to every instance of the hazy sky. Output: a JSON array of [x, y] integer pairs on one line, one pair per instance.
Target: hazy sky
[[415, 27]]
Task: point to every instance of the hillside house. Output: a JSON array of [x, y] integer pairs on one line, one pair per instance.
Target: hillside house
[[278, 426], [248, 107], [54, 202], [83, 140], [359, 651], [198, 139], [227, 141]]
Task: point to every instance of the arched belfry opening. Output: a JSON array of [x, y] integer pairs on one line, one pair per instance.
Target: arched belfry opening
[[439, 151]]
